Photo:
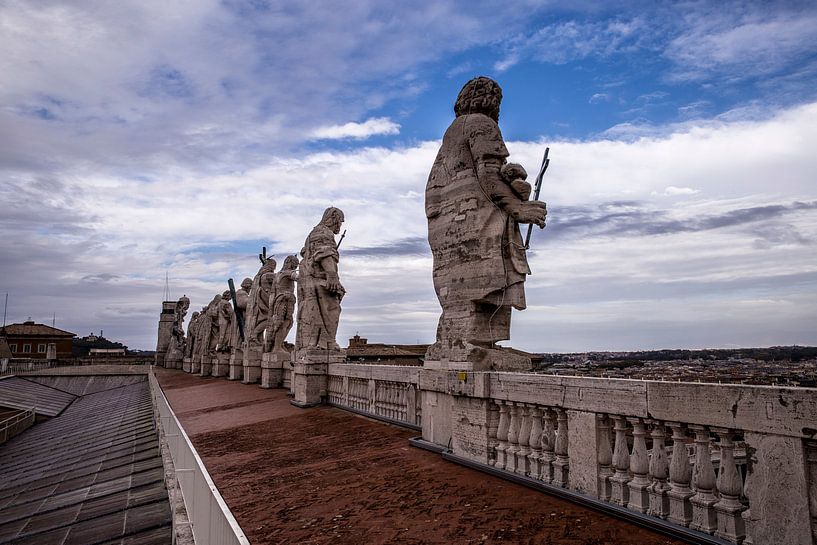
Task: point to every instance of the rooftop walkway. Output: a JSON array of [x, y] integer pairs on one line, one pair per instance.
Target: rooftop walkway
[[324, 475]]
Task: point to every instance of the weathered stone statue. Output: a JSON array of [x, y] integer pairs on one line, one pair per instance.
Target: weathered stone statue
[[203, 325], [255, 321], [221, 363], [282, 305], [175, 349], [211, 336], [319, 289], [190, 342], [242, 296], [474, 205], [279, 323]]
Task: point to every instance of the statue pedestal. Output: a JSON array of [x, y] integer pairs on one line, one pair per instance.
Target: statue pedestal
[[309, 375], [206, 368], [236, 371], [252, 363], [272, 368], [221, 365], [195, 364], [475, 358], [186, 365]]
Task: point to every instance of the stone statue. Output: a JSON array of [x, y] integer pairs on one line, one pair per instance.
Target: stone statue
[[242, 297], [175, 349], [319, 289], [225, 320], [191, 334], [474, 205], [213, 333], [282, 306], [255, 321]]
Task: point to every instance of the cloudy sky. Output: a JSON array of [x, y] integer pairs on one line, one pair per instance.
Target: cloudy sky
[[145, 137]]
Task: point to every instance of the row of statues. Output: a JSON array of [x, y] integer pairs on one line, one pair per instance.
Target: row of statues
[[475, 201], [232, 334]]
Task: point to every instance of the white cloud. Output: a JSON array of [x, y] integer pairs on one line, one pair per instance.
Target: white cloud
[[599, 97], [358, 131], [614, 250]]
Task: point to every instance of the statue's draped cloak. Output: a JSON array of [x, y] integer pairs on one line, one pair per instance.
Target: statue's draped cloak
[[477, 248], [318, 308]]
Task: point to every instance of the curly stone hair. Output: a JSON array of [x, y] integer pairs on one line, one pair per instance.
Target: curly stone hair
[[481, 95]]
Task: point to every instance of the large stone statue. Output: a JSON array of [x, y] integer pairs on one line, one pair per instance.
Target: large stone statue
[[221, 363], [210, 337], [190, 342], [203, 325], [242, 296], [474, 205], [282, 306], [255, 321], [175, 349], [319, 289]]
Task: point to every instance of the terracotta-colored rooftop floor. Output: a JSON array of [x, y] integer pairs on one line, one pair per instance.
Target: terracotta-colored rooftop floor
[[324, 475]]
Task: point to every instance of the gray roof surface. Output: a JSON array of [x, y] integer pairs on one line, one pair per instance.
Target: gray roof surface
[[19, 393], [92, 475]]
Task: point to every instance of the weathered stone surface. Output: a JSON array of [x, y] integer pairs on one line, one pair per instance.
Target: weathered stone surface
[[236, 365], [469, 428], [206, 368], [282, 307], [437, 410], [272, 368], [176, 345], [582, 448], [255, 321], [473, 214], [768, 409], [319, 289], [221, 365], [777, 491], [166, 319]]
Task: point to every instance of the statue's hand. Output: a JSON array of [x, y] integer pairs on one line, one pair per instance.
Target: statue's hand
[[333, 284], [529, 212]]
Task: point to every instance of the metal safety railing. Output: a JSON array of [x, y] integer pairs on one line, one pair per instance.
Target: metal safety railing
[[16, 424], [211, 521]]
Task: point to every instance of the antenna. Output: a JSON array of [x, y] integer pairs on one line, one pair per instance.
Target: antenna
[[167, 287], [5, 308], [53, 319]]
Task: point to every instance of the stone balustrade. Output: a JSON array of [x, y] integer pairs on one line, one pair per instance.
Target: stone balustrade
[[384, 391], [732, 461]]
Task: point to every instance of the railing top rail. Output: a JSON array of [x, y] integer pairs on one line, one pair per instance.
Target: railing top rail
[[228, 515]]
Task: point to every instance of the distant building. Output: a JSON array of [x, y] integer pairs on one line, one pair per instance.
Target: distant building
[[30, 340], [361, 351]]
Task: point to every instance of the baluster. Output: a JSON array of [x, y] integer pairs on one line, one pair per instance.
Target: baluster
[[502, 435], [811, 461], [639, 499], [604, 456], [704, 517], [730, 485], [492, 423], [621, 463], [524, 438], [548, 446], [680, 475], [513, 438], [561, 465], [372, 396], [403, 414], [659, 471], [535, 442]]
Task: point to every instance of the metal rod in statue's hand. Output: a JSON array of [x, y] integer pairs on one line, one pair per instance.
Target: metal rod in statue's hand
[[542, 169], [341, 239], [239, 316], [263, 256]]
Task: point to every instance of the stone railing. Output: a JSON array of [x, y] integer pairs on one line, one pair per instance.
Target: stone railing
[[721, 463], [387, 392]]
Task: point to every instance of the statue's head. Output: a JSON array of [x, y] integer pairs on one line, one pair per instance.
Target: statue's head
[[226, 296], [269, 265], [290, 263], [195, 315], [479, 96], [333, 218], [184, 303], [246, 284]]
